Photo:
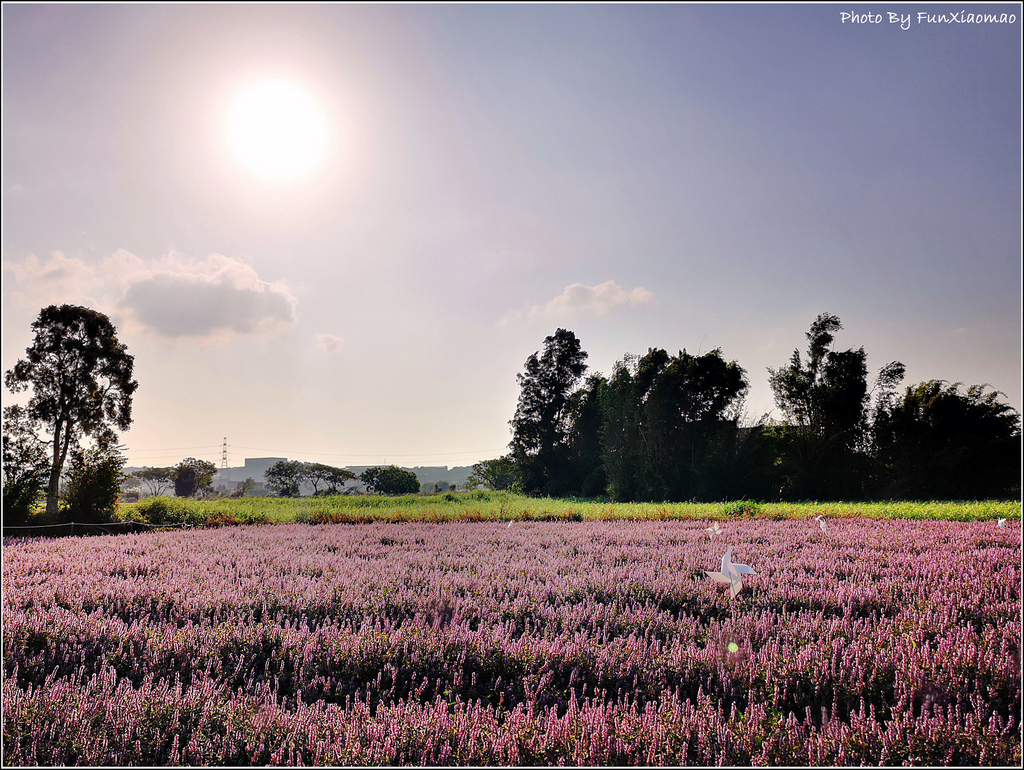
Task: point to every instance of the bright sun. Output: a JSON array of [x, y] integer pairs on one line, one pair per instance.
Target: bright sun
[[277, 130]]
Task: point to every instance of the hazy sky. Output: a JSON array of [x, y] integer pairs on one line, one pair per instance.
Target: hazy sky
[[675, 176]]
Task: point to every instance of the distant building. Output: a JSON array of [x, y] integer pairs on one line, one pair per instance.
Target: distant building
[[254, 468]]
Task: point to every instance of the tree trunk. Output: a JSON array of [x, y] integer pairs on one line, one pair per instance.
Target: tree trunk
[[60, 452], [53, 485]]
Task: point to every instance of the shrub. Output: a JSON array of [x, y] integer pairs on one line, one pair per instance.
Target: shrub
[[94, 483], [167, 510], [231, 518], [741, 509]]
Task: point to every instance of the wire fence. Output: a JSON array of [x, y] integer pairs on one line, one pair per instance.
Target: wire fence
[[85, 528]]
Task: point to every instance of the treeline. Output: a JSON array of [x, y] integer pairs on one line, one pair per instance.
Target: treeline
[[668, 428], [287, 476]]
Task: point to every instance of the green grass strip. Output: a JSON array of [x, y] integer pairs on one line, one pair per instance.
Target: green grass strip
[[506, 506]]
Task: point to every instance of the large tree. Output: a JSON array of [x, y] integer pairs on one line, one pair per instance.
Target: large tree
[[826, 402], [155, 479], [193, 477], [317, 474], [670, 428], [390, 480], [542, 425], [284, 477], [499, 473], [937, 442], [81, 380], [586, 473]]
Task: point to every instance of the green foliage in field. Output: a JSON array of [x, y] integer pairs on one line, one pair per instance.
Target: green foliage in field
[[94, 483], [506, 506], [25, 465], [183, 511]]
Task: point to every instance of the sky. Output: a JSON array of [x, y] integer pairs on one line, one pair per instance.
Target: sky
[[456, 182]]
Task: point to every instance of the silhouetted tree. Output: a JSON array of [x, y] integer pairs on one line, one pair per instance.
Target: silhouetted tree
[[826, 400], [542, 422], [670, 429], [586, 474], [939, 443], [81, 381]]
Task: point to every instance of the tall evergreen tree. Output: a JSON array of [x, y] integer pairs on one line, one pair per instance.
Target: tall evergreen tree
[[586, 475], [542, 424]]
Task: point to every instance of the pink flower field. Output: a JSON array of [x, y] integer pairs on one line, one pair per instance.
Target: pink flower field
[[592, 643]]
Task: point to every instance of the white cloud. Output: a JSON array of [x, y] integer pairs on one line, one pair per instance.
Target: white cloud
[[59, 280], [578, 300], [329, 343], [210, 299]]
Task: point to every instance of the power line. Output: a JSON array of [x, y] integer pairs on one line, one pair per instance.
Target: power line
[[211, 452], [389, 454], [215, 448], [210, 447]]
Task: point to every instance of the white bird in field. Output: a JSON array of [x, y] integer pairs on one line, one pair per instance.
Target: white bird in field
[[821, 522], [1002, 523], [730, 574], [713, 530], [509, 525]]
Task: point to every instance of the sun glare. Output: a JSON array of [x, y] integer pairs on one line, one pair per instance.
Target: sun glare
[[276, 130]]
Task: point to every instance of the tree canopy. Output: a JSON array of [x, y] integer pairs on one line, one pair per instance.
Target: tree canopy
[[826, 400], [155, 479], [542, 423], [193, 477], [937, 442], [286, 477], [390, 480], [25, 465], [332, 479], [499, 473], [80, 375], [670, 425], [94, 482], [665, 427]]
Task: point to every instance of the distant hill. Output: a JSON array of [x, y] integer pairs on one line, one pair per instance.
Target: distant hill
[[254, 467]]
